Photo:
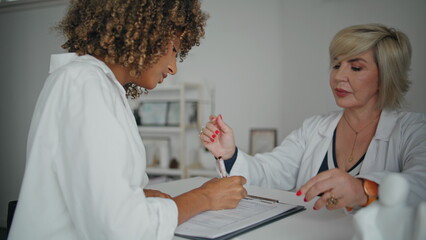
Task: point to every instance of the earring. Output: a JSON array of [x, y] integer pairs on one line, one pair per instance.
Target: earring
[[134, 91]]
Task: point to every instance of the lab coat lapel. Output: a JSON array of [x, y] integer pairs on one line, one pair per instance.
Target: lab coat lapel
[[324, 137], [380, 141]]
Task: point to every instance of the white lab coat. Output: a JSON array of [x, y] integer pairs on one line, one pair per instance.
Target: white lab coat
[[399, 145], [85, 169]]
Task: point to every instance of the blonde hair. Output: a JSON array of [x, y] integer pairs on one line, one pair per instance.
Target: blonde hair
[[392, 53]]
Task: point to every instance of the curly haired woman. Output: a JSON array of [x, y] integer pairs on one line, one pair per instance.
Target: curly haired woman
[[85, 177]]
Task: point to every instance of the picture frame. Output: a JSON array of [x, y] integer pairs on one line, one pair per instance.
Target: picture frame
[[262, 140], [158, 151], [173, 114], [153, 113], [191, 113]]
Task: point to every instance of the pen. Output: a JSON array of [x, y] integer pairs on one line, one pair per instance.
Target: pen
[[263, 198], [221, 167]]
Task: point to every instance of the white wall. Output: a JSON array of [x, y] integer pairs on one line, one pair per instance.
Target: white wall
[[267, 60], [26, 43]]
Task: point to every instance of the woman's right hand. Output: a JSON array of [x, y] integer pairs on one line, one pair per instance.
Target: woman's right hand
[[224, 193], [218, 137], [216, 194]]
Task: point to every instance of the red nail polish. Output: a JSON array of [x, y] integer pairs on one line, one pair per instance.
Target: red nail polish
[[213, 136], [220, 116], [299, 193], [315, 208], [305, 200], [217, 132], [212, 140], [212, 118]]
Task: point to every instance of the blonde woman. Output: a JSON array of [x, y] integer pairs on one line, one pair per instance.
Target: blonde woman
[[343, 156]]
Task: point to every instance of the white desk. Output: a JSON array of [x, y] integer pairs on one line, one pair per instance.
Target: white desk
[[309, 224]]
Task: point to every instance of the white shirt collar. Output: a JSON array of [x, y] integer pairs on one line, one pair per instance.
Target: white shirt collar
[[62, 59]]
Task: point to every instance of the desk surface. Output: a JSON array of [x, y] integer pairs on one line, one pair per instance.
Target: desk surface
[[309, 224]]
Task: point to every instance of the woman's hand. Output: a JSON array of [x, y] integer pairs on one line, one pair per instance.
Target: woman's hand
[[337, 188], [215, 194], [155, 193], [224, 193], [218, 137]]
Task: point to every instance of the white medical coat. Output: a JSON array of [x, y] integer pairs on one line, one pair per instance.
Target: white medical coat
[[399, 145], [85, 169]]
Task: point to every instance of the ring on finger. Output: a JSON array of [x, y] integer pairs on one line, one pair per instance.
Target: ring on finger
[[332, 201]]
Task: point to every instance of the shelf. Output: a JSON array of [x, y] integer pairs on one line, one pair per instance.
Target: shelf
[[164, 171], [187, 92], [162, 130], [202, 172], [172, 87], [181, 147], [153, 129]]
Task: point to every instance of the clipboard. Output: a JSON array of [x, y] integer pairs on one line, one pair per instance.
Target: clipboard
[[270, 210]]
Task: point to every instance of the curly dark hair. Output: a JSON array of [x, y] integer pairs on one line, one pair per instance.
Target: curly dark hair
[[132, 33]]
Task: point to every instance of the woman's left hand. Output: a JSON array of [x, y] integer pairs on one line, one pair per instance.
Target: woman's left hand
[[337, 188], [155, 193]]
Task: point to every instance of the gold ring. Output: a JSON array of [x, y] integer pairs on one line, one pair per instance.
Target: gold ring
[[332, 201]]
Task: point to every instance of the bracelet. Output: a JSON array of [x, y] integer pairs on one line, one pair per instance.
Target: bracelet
[[371, 189]]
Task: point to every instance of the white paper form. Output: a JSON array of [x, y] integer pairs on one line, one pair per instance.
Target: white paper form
[[212, 224]]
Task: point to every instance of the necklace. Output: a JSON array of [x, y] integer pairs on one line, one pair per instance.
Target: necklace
[[351, 157], [134, 91]]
